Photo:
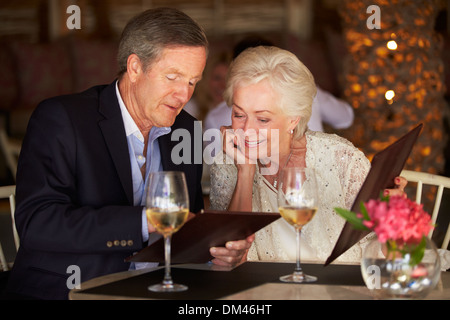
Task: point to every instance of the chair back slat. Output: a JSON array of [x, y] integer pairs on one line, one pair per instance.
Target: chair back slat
[[441, 182], [9, 192]]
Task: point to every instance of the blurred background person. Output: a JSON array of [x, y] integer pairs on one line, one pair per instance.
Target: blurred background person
[[326, 107], [209, 92]]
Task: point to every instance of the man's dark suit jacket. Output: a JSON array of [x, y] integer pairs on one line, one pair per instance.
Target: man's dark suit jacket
[[75, 194]]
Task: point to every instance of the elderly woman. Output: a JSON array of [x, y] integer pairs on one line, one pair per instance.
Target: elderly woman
[[269, 88]]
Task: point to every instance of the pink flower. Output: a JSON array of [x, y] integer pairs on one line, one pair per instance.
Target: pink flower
[[400, 219]]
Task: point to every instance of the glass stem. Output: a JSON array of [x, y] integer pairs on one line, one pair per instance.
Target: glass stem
[[167, 277], [298, 269]]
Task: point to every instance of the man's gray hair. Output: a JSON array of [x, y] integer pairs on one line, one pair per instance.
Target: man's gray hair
[[147, 34]]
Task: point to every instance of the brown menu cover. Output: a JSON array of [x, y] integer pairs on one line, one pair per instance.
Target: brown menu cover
[[207, 229], [385, 167]]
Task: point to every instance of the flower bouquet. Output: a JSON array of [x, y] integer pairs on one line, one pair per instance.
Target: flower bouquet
[[394, 262]]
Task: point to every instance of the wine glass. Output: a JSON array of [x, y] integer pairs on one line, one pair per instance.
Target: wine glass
[[297, 203], [167, 209]]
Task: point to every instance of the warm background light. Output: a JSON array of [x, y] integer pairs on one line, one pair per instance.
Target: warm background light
[[392, 45], [390, 94], [414, 73]]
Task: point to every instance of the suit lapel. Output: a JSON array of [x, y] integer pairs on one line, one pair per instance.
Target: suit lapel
[[165, 146], [192, 172], [115, 137]]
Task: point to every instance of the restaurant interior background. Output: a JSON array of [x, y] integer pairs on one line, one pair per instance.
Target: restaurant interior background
[[40, 57]]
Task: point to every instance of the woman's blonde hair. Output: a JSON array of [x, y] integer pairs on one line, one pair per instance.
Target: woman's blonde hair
[[287, 75]]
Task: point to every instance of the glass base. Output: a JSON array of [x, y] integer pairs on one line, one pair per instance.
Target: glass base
[[298, 278], [167, 287]]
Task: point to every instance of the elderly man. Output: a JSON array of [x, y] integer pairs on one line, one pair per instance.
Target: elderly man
[[86, 158]]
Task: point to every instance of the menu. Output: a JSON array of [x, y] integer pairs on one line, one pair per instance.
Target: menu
[[207, 229], [386, 165]]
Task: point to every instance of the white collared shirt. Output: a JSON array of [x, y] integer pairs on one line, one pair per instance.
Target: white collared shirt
[[152, 163]]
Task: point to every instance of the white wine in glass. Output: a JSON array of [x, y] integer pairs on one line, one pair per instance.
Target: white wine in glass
[[167, 222], [167, 209], [297, 203]]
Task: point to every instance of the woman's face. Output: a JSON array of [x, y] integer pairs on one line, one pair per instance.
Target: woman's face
[[265, 128]]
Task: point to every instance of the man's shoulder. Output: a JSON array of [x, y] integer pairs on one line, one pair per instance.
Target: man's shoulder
[[93, 94], [80, 102], [74, 99]]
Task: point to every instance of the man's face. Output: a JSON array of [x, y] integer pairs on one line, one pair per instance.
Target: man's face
[[167, 85]]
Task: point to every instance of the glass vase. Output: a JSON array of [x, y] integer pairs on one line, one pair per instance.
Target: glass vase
[[399, 277]]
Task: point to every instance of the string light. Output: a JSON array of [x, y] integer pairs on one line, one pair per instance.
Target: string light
[[392, 45], [390, 94]]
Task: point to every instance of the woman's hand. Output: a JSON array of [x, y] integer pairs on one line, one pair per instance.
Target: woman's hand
[[231, 144], [234, 147], [399, 189], [234, 252]]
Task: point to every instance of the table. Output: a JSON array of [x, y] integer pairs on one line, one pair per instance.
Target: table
[[249, 281]]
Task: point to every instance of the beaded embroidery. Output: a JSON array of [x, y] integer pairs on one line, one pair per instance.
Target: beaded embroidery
[[341, 169]]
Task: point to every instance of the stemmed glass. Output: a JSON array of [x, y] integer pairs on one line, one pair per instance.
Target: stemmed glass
[[167, 209], [297, 203]]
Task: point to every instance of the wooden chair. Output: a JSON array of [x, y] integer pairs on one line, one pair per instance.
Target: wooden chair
[[11, 150], [440, 182], [9, 192]]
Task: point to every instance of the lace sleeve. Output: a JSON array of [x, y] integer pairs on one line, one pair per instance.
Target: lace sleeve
[[223, 182], [357, 170], [342, 169], [356, 173]]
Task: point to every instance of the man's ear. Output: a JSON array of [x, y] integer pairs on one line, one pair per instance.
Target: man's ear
[[134, 67]]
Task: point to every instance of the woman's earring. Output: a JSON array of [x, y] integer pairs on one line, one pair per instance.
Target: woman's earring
[[291, 132]]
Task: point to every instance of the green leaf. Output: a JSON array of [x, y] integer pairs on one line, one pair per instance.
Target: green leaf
[[364, 212], [384, 198], [392, 249], [351, 217], [418, 252]]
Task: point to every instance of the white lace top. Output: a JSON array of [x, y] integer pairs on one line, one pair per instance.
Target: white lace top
[[341, 169]]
